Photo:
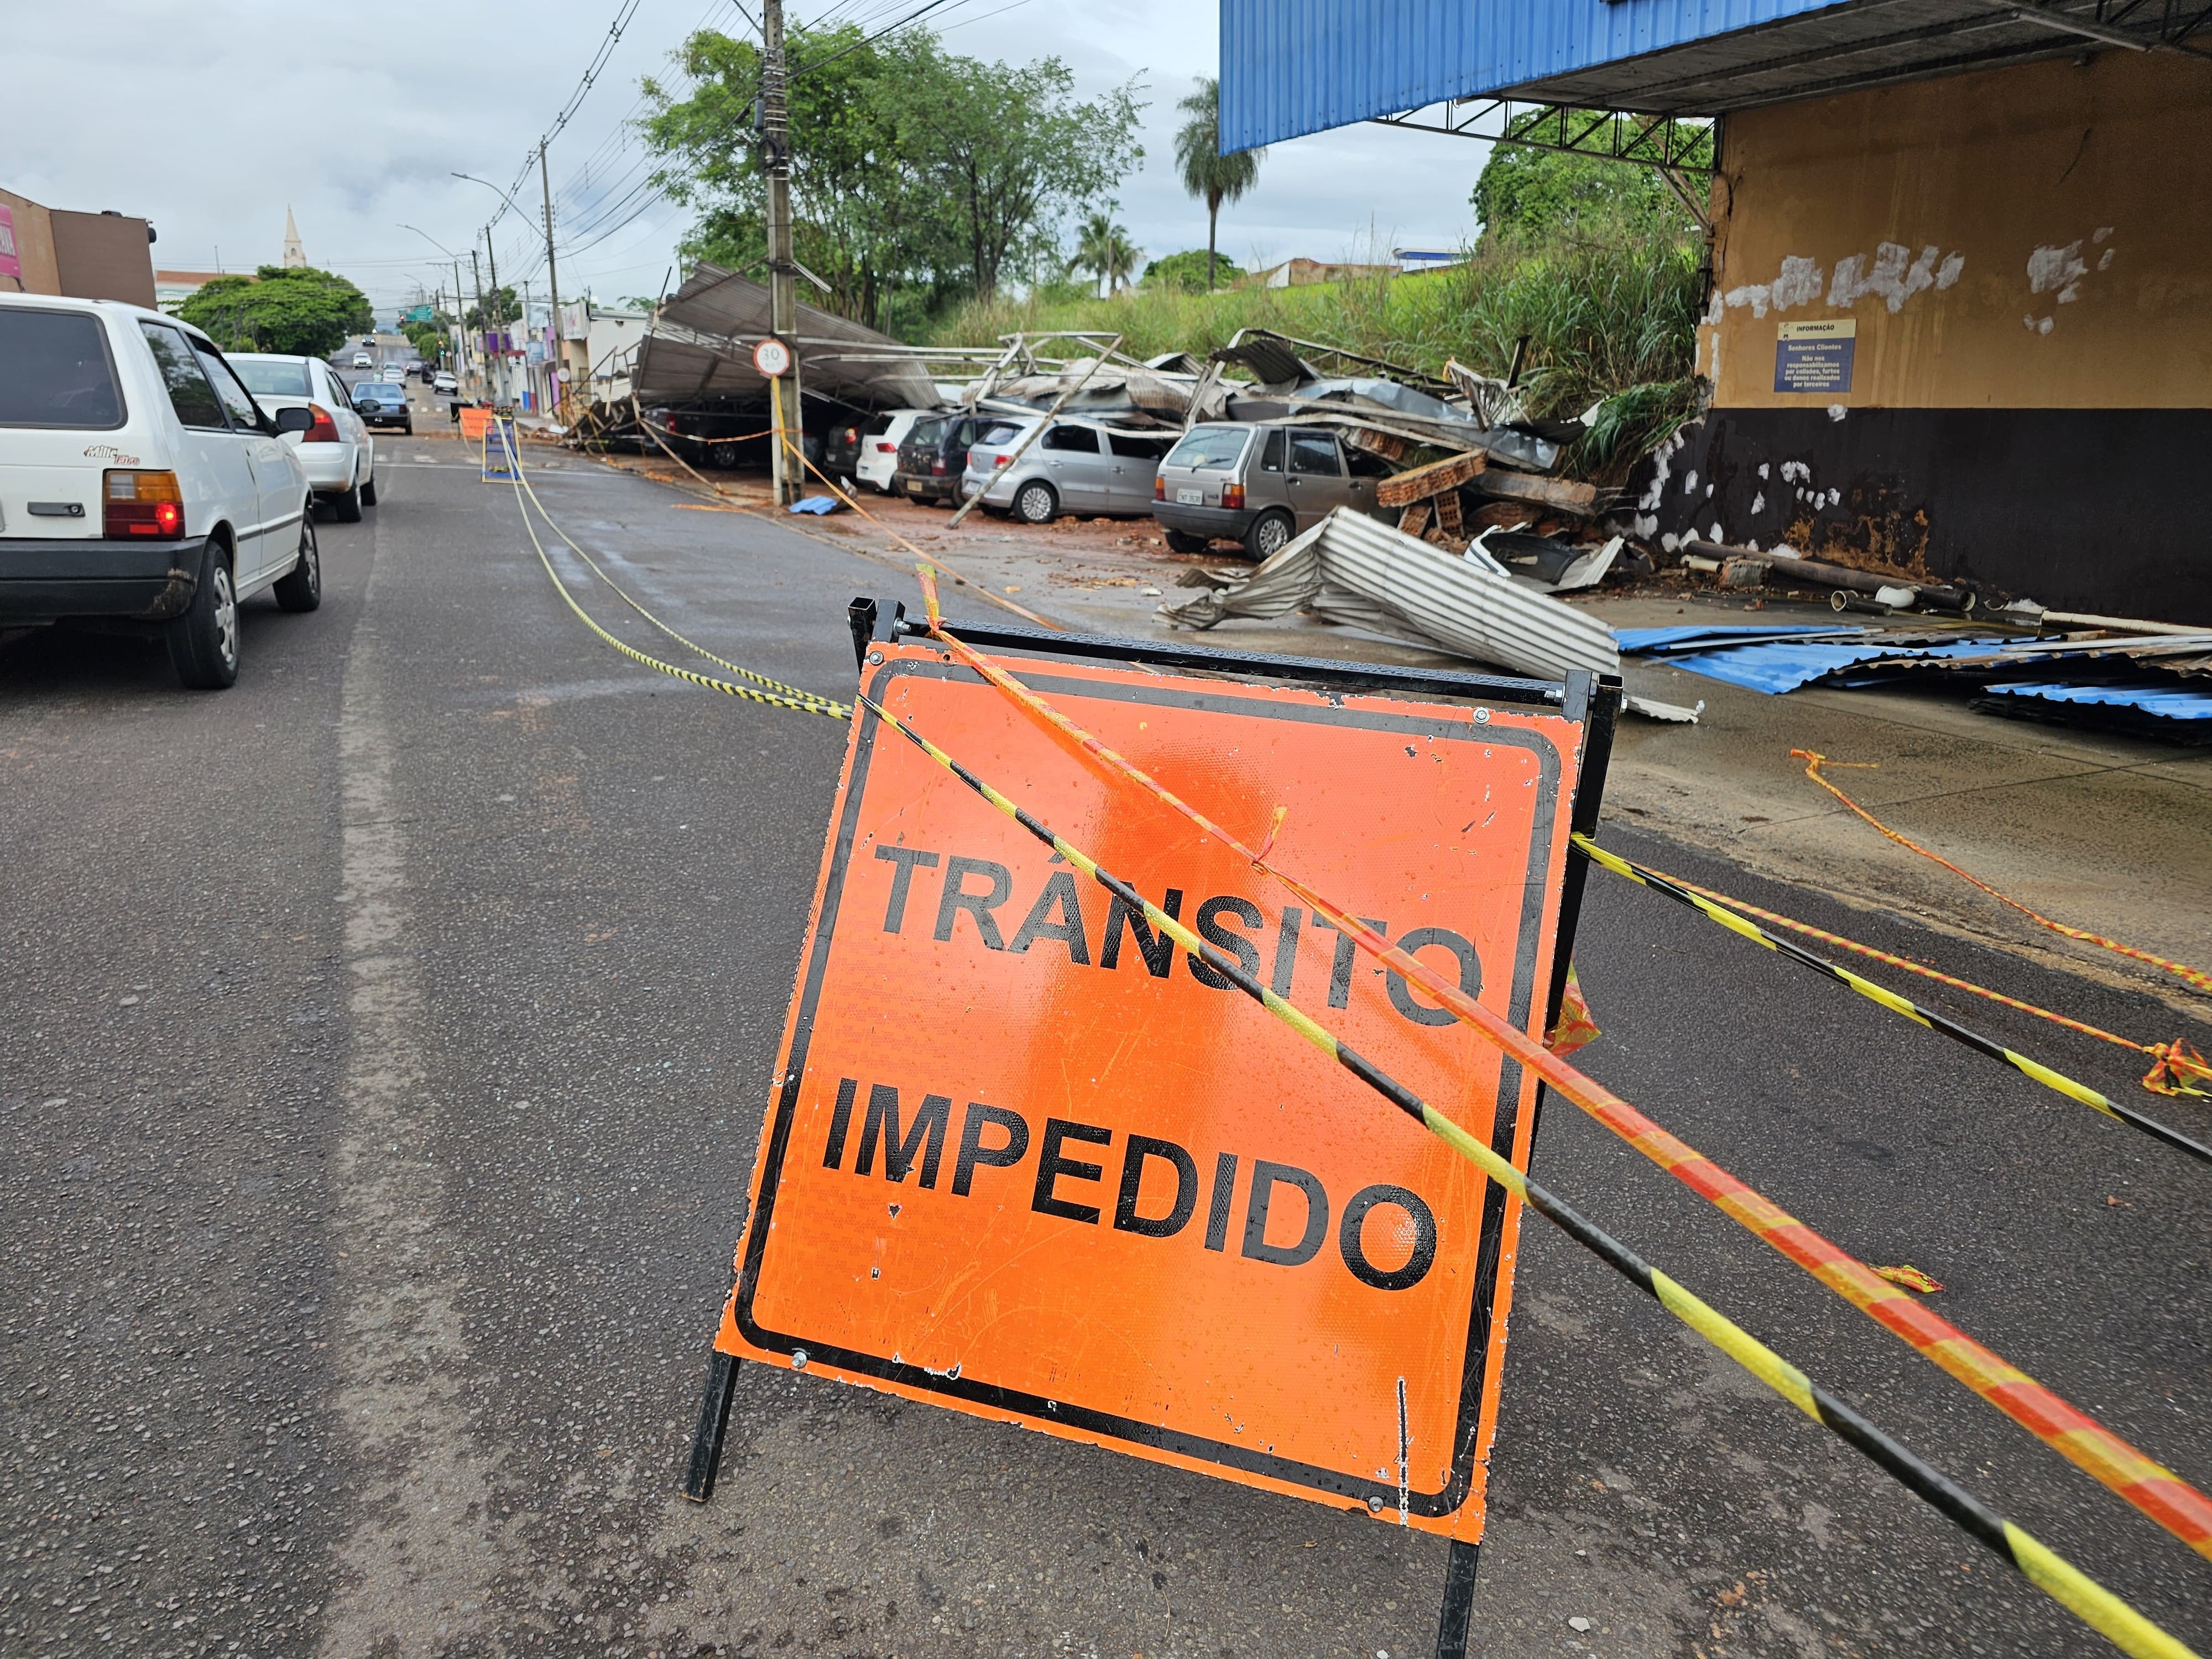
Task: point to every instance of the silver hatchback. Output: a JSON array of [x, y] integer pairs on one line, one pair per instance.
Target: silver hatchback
[[1260, 486], [1078, 466]]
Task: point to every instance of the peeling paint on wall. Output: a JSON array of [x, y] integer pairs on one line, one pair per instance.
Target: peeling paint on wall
[[1887, 275], [2059, 271]]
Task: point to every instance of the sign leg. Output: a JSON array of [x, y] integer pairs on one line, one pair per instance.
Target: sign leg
[[714, 1419], [1459, 1601]]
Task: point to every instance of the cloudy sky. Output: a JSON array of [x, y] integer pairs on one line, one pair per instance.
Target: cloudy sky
[[211, 119]]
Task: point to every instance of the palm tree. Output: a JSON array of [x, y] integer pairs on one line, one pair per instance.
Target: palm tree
[[1206, 172], [1102, 247], [1121, 259]]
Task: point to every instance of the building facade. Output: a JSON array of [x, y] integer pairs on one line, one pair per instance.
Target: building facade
[[1959, 318]]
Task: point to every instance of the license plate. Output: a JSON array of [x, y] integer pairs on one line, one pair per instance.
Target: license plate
[[1190, 498]]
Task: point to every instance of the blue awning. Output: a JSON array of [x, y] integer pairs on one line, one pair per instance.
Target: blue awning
[[1291, 67]]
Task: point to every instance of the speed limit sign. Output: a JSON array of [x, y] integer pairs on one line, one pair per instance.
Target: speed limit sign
[[772, 358]]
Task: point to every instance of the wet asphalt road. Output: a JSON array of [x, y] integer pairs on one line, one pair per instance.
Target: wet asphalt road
[[386, 1040]]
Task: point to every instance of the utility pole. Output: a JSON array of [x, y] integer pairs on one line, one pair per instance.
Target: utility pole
[[790, 473], [557, 359], [497, 317], [483, 317]]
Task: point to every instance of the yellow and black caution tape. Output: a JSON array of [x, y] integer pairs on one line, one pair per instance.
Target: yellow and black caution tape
[[1746, 928], [2154, 1489], [2097, 1607], [774, 693], [2178, 1068]]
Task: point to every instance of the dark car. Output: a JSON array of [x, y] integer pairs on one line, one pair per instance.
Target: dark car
[[935, 455], [720, 436], [383, 403], [840, 451]]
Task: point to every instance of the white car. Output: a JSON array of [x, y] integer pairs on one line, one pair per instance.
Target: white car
[[363, 360], [444, 383], [1080, 466], [880, 442], [140, 483], [394, 374], [337, 452]]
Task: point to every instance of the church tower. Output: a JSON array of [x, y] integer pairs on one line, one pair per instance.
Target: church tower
[[296, 257]]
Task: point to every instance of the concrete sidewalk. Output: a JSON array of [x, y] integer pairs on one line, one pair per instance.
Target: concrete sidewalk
[[2106, 833], [2109, 834]]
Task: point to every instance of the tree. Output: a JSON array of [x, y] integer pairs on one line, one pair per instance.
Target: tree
[[1012, 152], [1207, 174], [1541, 192], [1186, 273], [298, 310], [855, 223], [914, 172], [501, 307], [1104, 248], [430, 338]]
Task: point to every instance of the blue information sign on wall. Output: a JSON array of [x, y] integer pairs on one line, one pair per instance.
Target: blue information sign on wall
[[1814, 356]]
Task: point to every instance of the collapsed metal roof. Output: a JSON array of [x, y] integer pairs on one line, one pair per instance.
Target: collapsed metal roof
[[1291, 67], [701, 346]]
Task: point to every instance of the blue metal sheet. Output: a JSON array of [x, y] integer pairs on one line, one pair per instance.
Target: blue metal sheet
[[1776, 668], [2166, 703], [1291, 67], [1638, 639], [1784, 665]]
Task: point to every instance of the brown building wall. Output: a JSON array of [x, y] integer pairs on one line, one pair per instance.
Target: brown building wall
[[103, 256], [90, 255], [2065, 204], [2021, 260]]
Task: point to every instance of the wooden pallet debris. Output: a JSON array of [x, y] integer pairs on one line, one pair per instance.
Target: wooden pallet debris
[[1561, 494], [1434, 479]]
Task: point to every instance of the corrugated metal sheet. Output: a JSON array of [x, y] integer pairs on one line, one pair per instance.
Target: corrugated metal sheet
[[1350, 569], [1291, 67], [701, 345]]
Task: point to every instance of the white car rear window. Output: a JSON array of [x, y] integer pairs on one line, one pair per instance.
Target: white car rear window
[[265, 379], [55, 371]]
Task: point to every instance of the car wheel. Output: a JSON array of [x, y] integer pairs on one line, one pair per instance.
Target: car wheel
[[1268, 535], [1035, 503], [301, 588], [204, 642], [369, 488], [347, 506], [1181, 541]]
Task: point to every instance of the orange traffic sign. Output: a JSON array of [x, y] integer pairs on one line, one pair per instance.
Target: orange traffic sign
[[1026, 1160]]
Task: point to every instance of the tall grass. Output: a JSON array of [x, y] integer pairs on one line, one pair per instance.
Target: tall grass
[[1610, 318]]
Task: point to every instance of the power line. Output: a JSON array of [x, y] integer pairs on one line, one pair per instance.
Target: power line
[[575, 100]]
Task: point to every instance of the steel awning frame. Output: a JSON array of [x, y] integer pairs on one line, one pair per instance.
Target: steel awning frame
[[1866, 44], [1604, 135]]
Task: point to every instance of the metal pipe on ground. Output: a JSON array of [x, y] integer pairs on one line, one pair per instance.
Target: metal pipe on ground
[[1817, 573]]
